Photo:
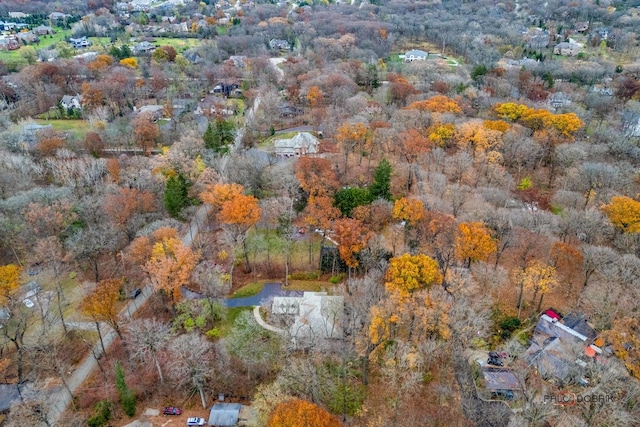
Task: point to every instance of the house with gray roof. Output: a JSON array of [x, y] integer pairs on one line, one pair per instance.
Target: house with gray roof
[[415, 55], [567, 49], [302, 144], [224, 414], [71, 102], [9, 397]]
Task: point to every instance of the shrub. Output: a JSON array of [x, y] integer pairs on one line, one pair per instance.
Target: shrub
[[337, 278], [310, 275], [103, 414]]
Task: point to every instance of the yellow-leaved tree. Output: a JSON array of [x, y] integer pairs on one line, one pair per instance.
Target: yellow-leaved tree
[[537, 277], [437, 104], [409, 210], [9, 281], [100, 305], [409, 273], [171, 265], [474, 242], [624, 213]]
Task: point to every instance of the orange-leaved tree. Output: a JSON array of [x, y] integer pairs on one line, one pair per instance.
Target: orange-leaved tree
[[300, 413], [624, 337], [411, 146], [316, 176], [624, 213], [352, 237], [100, 305], [171, 265], [349, 136], [437, 104], [474, 242], [235, 210]]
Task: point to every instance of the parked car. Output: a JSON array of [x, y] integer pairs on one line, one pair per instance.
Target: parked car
[[495, 361], [28, 303], [505, 394], [135, 293], [171, 410], [195, 421]]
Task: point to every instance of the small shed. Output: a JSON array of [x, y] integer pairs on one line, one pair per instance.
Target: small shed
[[224, 414]]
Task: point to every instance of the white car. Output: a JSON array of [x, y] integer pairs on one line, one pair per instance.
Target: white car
[[195, 421], [28, 303]]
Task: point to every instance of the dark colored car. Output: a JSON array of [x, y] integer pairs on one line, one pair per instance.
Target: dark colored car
[[494, 354], [136, 292], [495, 361], [504, 394], [172, 410]]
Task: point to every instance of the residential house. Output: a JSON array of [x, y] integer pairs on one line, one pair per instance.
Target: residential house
[[581, 27], [8, 26], [9, 42], [225, 414], [279, 44], [415, 55], [567, 49], [154, 111], [602, 89], [18, 15], [287, 109], [499, 380], [631, 124], [312, 318], [55, 17], [42, 30], [601, 32], [227, 89], [558, 99], [302, 144], [560, 346], [81, 42], [27, 37], [238, 61], [71, 102], [143, 48]]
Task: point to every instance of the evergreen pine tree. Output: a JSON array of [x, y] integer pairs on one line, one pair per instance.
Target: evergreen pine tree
[[209, 137], [381, 186], [176, 195]]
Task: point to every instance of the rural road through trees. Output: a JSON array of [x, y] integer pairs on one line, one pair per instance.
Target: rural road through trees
[[58, 401]]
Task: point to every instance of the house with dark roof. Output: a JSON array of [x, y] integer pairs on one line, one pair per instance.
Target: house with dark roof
[[560, 346]]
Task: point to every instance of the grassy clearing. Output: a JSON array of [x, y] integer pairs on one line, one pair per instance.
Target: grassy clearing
[[310, 285], [178, 44], [224, 327], [249, 290], [77, 127]]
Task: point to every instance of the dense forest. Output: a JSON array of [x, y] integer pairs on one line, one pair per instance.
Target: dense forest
[[466, 217]]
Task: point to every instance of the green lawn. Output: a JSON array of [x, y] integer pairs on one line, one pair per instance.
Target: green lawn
[[78, 127], [178, 44], [249, 290], [45, 43], [224, 326]]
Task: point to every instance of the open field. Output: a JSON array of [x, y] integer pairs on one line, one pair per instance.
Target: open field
[[77, 127]]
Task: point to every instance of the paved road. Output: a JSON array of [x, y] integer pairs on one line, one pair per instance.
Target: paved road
[[59, 400], [268, 290]]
